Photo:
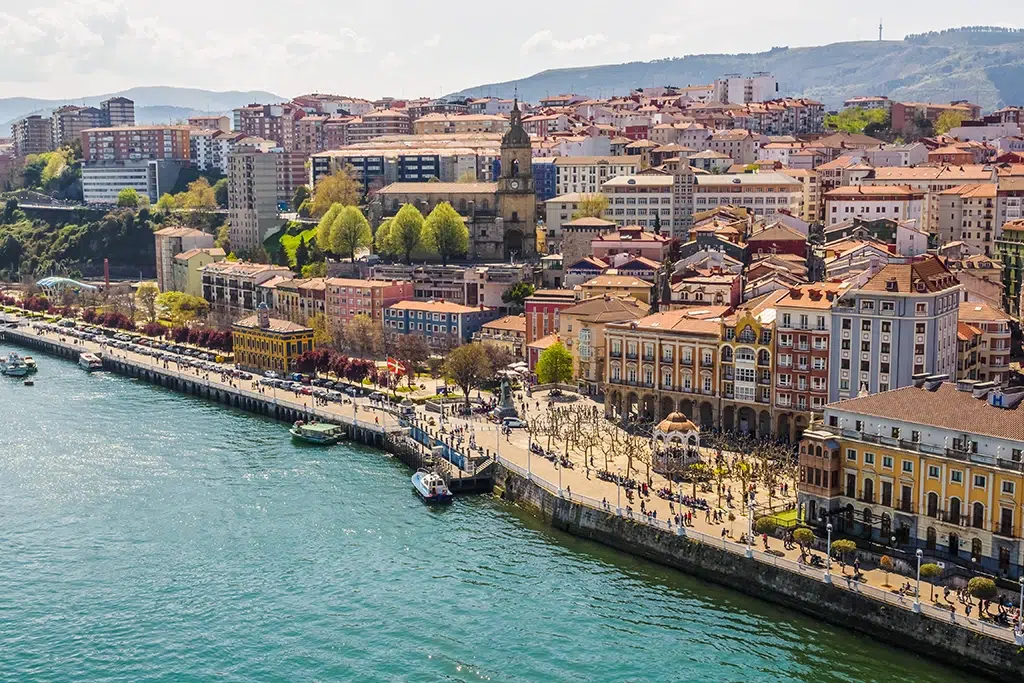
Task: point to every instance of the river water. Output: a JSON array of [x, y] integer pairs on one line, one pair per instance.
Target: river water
[[148, 536]]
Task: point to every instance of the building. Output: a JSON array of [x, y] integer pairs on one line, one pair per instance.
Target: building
[[710, 161], [347, 298], [630, 239], [275, 122], [761, 193], [376, 124], [171, 242], [1010, 248], [867, 201], [542, 311], [435, 124], [931, 180], [994, 350], [812, 192], [701, 286], [746, 358], [210, 148], [559, 211], [32, 135], [617, 286], [586, 175], [213, 122], [936, 464], [868, 102], [233, 285], [581, 328], [661, 364], [901, 322], [118, 112], [967, 213], [508, 333], [443, 324], [187, 269], [102, 181], [968, 344], [643, 200], [737, 89], [905, 115], [739, 145], [135, 143], [265, 344], [252, 196], [68, 122]]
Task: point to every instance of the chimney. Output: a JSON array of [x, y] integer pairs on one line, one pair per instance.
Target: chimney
[[966, 385], [918, 379], [932, 382]]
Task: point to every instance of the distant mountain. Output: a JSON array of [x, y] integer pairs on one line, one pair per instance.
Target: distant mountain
[[153, 104], [982, 64]]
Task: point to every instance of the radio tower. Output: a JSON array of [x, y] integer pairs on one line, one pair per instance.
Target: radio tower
[[879, 29]]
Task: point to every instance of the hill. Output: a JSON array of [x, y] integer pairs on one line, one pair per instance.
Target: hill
[[983, 64], [153, 104]]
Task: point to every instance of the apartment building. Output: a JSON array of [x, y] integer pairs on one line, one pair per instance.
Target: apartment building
[[738, 89], [508, 333], [542, 311], [581, 328], [443, 324], [221, 123], [173, 241], [586, 175], [187, 269], [1010, 249], [347, 298], [746, 357], [644, 200], [376, 124], [298, 299], [252, 196], [102, 181], [630, 239], [936, 464], [761, 193], [906, 114], [210, 148], [617, 286], [118, 111], [931, 180], [233, 285], [994, 347], [68, 122], [871, 202], [812, 192], [135, 143], [739, 145], [275, 122], [968, 344], [1009, 200], [967, 213], [901, 322], [660, 364], [803, 349], [439, 124], [31, 135]]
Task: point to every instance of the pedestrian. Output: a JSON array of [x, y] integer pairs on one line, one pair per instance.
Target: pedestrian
[[764, 538], [707, 515]]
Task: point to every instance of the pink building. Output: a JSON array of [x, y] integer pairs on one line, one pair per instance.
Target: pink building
[[542, 311], [347, 298], [631, 239]]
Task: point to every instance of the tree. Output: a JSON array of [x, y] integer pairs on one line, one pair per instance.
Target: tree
[[220, 193], [804, 538], [466, 367], [363, 336], [323, 228], [445, 233], [382, 239], [498, 356], [591, 206], [515, 296], [321, 332], [180, 308], [411, 349], [301, 195], [406, 231], [350, 231], [129, 198], [931, 571], [554, 365], [982, 587], [316, 269], [843, 547], [947, 121], [856, 120], [198, 197], [147, 294], [764, 525], [887, 565], [338, 188], [166, 203], [301, 254]]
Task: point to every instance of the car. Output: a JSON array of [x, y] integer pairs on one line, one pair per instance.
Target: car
[[351, 391], [513, 422], [271, 374]]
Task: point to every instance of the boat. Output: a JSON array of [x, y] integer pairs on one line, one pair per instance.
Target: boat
[[29, 383], [431, 487], [30, 363], [13, 366], [90, 361], [318, 433]]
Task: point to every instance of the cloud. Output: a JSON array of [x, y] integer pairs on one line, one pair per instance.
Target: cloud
[[662, 40], [545, 41], [432, 41], [391, 61]]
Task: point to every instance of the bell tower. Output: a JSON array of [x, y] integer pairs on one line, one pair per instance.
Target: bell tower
[[516, 193]]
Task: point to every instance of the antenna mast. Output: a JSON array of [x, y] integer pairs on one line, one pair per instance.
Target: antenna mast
[[879, 29]]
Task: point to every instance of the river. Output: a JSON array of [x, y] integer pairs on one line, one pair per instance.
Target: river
[[149, 536]]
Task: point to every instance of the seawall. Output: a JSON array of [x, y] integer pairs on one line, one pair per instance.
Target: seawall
[[895, 626]]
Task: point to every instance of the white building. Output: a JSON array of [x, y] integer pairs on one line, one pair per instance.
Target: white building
[[762, 193], [209, 149], [737, 89], [559, 210], [586, 175], [910, 154], [871, 202], [102, 181], [638, 199], [987, 133]]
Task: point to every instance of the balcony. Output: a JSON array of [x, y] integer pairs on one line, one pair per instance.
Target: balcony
[[615, 354], [904, 506], [631, 356], [707, 363]]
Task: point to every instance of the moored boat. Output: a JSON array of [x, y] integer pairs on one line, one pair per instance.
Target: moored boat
[[30, 363], [90, 361], [318, 433], [13, 366], [431, 487]]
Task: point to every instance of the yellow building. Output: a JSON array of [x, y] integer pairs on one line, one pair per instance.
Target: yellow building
[[186, 269], [617, 285], [935, 465], [812, 195], [263, 343], [581, 329]]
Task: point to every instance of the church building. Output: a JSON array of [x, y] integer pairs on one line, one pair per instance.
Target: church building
[[501, 216]]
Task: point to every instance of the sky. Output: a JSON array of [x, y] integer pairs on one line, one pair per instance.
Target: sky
[[62, 49]]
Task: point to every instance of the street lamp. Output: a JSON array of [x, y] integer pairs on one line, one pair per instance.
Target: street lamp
[[750, 527], [917, 597], [828, 554], [1020, 605], [558, 466], [618, 492]]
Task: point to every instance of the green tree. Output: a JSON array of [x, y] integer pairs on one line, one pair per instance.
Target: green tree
[[982, 587], [445, 233], [166, 203], [382, 239], [764, 525], [554, 365], [363, 336], [337, 188], [804, 537], [198, 197], [947, 121], [301, 255], [931, 571], [129, 198], [406, 231], [591, 206], [350, 231], [147, 294], [843, 547], [301, 195], [316, 269], [412, 350], [323, 228], [181, 308], [321, 330], [220, 193], [515, 296], [856, 120], [467, 367], [887, 565]]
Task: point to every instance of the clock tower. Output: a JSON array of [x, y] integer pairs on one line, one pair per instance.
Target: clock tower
[[517, 197]]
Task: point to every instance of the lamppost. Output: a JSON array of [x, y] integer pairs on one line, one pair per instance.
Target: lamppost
[[618, 492], [529, 451], [750, 527], [828, 554], [1020, 606], [558, 466], [917, 596]]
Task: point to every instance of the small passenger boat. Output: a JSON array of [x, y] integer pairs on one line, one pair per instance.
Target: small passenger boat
[[431, 487], [13, 366], [90, 361], [317, 433], [30, 363]]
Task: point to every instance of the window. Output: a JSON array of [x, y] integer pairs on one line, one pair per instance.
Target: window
[[980, 481], [858, 425], [886, 327], [895, 432], [933, 471], [915, 436], [851, 454], [887, 462], [865, 325], [956, 476], [1008, 488], [921, 308], [908, 466], [869, 458]]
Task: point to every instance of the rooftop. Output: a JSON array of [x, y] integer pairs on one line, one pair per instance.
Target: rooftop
[[510, 323], [276, 325], [433, 307], [616, 281], [440, 188], [905, 278], [679, 320]]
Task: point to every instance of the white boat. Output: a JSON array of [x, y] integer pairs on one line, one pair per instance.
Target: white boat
[[90, 361], [318, 433], [30, 363], [431, 487], [13, 366]]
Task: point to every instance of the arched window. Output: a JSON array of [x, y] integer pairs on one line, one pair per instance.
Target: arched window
[[515, 168], [954, 510], [817, 451], [933, 504], [976, 549], [763, 357], [869, 490], [930, 542], [726, 351], [978, 518], [747, 335], [866, 516], [515, 216]]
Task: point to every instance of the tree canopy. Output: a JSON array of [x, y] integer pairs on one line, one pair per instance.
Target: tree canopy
[[947, 121], [516, 294], [445, 233], [591, 206], [350, 231], [405, 231], [129, 198], [554, 365], [180, 308], [856, 119], [467, 367], [338, 188]]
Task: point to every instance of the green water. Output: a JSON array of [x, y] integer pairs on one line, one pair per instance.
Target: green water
[[147, 536]]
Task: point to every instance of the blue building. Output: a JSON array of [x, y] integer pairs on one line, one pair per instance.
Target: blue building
[[544, 177], [444, 325], [418, 168]]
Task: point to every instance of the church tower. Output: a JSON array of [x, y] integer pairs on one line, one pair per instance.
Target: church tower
[[516, 194]]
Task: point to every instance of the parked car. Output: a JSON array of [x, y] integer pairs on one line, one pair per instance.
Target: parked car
[[513, 422]]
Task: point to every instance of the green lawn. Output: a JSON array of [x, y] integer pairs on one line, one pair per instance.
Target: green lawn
[[288, 239]]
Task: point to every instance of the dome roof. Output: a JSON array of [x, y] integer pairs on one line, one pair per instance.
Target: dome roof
[[676, 422]]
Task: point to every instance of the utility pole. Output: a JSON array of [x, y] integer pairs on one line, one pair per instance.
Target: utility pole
[[879, 29]]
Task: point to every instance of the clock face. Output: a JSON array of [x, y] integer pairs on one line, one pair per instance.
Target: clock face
[[514, 184]]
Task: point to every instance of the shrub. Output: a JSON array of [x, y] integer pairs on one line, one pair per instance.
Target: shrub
[[982, 588], [153, 329], [764, 525], [803, 536]]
